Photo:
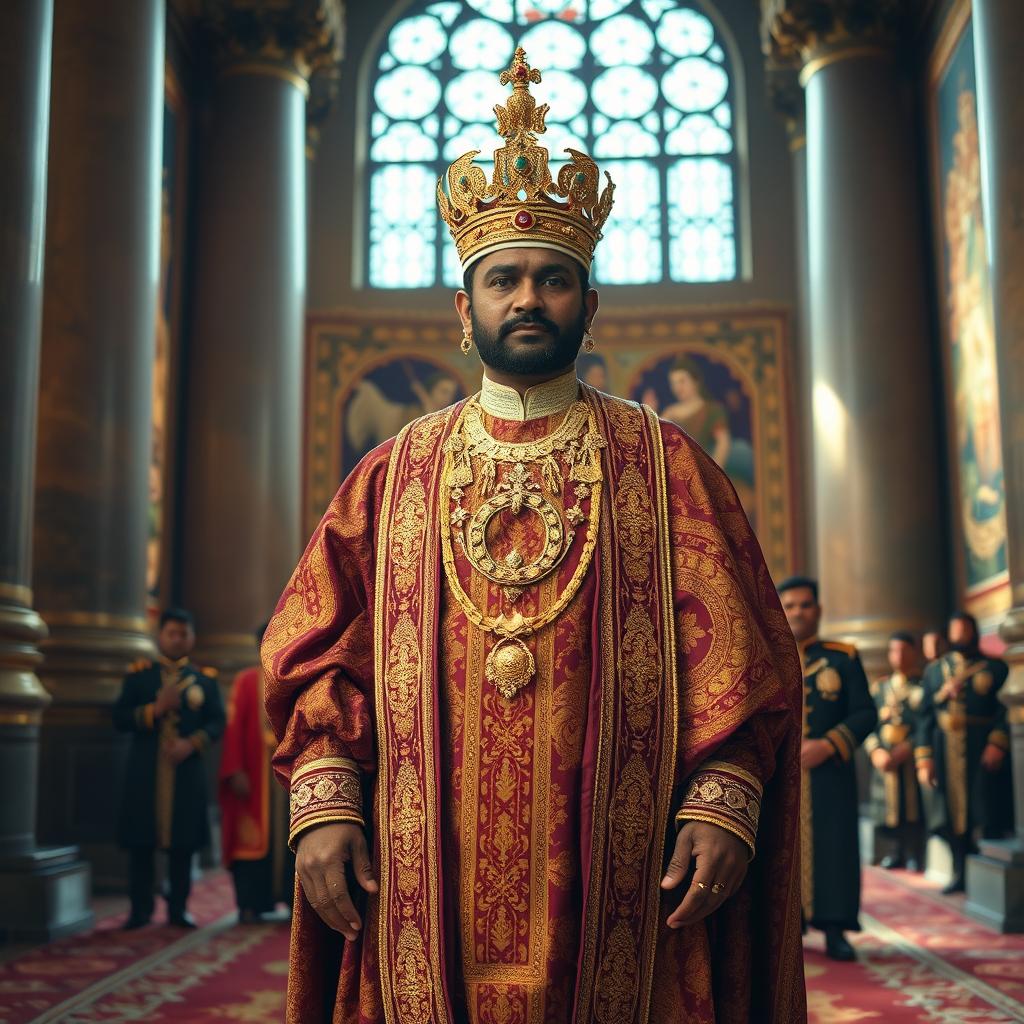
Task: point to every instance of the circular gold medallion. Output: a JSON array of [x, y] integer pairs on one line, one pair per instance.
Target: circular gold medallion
[[514, 570], [510, 666], [195, 697]]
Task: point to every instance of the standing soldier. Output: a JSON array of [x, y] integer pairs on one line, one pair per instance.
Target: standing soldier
[[894, 790], [174, 711], [963, 743], [838, 714]]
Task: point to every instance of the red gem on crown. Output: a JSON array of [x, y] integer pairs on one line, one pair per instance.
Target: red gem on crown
[[524, 220], [520, 72]]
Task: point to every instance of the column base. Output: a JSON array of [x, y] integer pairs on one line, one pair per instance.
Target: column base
[[44, 895], [995, 884]]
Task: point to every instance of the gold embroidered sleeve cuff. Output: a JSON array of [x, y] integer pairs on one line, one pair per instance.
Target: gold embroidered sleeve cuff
[[843, 740], [724, 795], [998, 738], [145, 717], [324, 790], [922, 754]]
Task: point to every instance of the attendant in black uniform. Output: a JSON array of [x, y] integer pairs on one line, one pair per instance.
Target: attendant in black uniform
[[838, 715], [963, 746], [174, 711], [895, 796]]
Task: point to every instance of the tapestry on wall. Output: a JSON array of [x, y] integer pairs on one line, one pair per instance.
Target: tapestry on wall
[[722, 376], [966, 316]]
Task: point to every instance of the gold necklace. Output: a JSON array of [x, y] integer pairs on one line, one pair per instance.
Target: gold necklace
[[510, 664]]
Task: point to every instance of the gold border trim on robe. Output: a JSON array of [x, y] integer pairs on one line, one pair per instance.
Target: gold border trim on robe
[[638, 732], [406, 604]]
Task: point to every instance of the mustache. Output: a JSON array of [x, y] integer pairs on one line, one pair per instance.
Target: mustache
[[534, 319]]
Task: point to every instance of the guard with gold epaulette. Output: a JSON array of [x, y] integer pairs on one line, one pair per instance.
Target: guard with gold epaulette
[[895, 794], [963, 746], [839, 713], [174, 711]]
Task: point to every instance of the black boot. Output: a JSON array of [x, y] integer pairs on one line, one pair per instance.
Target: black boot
[[958, 847], [836, 945]]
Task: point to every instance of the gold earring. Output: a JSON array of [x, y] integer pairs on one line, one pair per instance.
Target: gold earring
[[467, 341], [588, 340]]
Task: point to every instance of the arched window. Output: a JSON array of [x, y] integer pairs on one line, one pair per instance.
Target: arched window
[[644, 86]]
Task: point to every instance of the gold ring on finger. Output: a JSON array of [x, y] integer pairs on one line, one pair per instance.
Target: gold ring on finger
[[701, 885], [717, 888]]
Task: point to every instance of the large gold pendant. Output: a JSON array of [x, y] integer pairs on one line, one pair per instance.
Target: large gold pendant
[[510, 666]]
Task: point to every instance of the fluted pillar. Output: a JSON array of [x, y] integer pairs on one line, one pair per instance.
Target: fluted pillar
[[243, 459], [996, 879], [876, 495], [43, 891], [100, 304], [786, 95]]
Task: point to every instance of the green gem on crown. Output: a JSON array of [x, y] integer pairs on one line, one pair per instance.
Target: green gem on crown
[[522, 163]]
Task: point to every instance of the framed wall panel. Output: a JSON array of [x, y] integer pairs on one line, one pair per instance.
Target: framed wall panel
[[978, 496]]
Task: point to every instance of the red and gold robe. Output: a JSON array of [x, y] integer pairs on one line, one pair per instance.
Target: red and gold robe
[[245, 824], [520, 843]]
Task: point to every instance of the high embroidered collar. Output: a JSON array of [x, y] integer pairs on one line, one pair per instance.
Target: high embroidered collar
[[547, 399]]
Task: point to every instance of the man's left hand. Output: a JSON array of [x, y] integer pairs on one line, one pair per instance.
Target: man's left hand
[[992, 757], [815, 752], [177, 750], [714, 861]]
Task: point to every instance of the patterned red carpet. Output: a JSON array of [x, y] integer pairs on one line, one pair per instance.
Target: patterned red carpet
[[920, 960]]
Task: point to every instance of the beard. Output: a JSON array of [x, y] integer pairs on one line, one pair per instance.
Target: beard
[[557, 352]]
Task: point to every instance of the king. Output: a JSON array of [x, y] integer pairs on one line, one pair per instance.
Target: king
[[537, 701]]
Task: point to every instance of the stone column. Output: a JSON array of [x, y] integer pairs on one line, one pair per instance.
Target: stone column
[[99, 316], [44, 892], [995, 880], [243, 460], [787, 97], [876, 495]]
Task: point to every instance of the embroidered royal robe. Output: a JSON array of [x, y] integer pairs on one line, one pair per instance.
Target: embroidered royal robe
[[520, 843]]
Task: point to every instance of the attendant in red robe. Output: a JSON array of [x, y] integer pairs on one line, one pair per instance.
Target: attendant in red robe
[[253, 806], [539, 708]]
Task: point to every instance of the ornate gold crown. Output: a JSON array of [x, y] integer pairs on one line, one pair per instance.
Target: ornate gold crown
[[522, 206]]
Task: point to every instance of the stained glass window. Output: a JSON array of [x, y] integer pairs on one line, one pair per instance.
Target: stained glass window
[[642, 85]]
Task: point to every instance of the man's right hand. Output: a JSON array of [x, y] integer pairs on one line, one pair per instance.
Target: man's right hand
[[881, 759], [167, 699], [926, 774], [320, 862]]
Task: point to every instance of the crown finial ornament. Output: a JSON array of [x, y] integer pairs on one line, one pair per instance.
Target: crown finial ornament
[[522, 206]]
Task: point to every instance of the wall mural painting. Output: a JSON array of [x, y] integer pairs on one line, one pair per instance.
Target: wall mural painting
[[967, 321], [721, 377], [168, 316]]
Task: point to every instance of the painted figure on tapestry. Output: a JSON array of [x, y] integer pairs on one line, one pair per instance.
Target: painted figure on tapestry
[[982, 511], [532, 682], [704, 397], [174, 712], [388, 398], [895, 795], [253, 809], [963, 746], [838, 716]]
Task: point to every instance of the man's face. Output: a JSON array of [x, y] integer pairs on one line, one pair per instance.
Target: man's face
[[961, 634], [527, 311], [175, 639], [902, 656], [933, 645], [802, 612]]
